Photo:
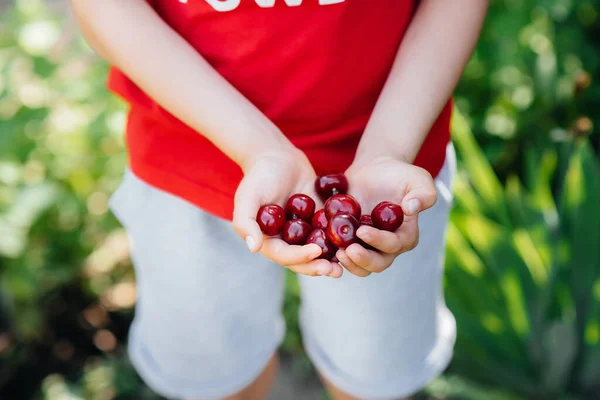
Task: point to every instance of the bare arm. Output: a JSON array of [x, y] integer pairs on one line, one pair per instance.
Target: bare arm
[[166, 67], [172, 72], [429, 64]]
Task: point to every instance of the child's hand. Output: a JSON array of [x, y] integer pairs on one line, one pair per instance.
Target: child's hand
[[396, 181], [272, 178]]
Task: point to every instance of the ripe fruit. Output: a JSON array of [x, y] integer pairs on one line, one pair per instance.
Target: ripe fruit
[[318, 237], [342, 230], [387, 216], [342, 204], [271, 219], [366, 220], [331, 184], [319, 220], [300, 206], [296, 231]]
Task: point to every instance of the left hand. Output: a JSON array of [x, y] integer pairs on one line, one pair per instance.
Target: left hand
[[386, 179]]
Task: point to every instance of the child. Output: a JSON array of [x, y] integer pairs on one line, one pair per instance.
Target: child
[[239, 103]]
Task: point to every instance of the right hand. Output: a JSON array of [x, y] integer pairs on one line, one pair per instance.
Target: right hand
[[271, 178]]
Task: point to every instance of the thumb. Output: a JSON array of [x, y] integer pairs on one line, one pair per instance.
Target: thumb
[[246, 206], [421, 194]]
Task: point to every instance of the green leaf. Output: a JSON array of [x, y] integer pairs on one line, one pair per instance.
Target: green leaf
[[494, 244], [481, 174], [560, 343], [534, 249], [454, 386], [590, 375], [464, 195], [581, 226], [15, 223], [538, 176]]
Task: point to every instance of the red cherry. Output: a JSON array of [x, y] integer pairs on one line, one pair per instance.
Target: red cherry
[[318, 237], [296, 231], [300, 206], [331, 184], [271, 219], [342, 204], [366, 220], [342, 230], [387, 216], [319, 220], [334, 260]]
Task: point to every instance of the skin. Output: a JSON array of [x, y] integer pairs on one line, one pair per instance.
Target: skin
[[261, 387], [442, 33]]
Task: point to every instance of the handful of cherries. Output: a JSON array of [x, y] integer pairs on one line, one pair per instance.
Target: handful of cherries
[[332, 227]]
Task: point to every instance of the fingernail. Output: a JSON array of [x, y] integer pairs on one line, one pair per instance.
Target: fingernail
[[323, 269], [250, 242], [413, 206]]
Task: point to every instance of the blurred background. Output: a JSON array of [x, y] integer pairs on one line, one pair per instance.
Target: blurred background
[[523, 265]]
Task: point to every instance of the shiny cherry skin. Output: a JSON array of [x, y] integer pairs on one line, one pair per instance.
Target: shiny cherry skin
[[319, 237], [366, 220], [331, 184], [296, 231], [387, 216], [342, 204], [342, 230], [319, 220], [300, 206], [271, 219]]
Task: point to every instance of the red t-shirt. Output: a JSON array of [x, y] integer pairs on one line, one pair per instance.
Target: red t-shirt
[[314, 67]]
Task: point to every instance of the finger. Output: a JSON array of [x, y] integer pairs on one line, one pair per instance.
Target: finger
[[404, 239], [421, 194], [244, 218], [318, 267], [337, 270], [284, 254], [350, 265], [371, 261]]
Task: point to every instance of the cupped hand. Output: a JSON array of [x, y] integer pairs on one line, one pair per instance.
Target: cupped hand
[[386, 179], [271, 178]]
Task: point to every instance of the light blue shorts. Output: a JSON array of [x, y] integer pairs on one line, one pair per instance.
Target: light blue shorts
[[208, 314]]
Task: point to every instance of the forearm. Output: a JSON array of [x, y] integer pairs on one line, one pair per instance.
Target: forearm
[[168, 69], [428, 66]]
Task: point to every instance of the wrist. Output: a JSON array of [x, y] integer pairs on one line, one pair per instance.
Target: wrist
[[262, 141], [281, 152], [375, 154], [380, 141]]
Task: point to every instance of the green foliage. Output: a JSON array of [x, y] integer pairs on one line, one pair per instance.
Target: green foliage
[[533, 77], [523, 272], [63, 258]]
